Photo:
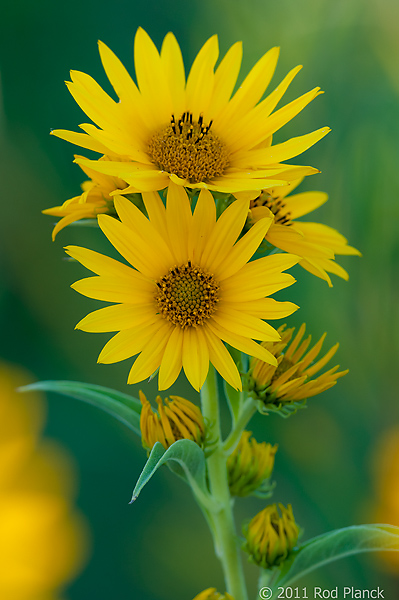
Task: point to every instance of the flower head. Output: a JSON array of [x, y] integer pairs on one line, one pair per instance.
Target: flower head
[[315, 243], [95, 199], [177, 419], [188, 287], [212, 594], [194, 132], [250, 466], [271, 538], [43, 539], [292, 379]]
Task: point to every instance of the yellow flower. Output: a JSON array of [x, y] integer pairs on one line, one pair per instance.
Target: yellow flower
[[190, 288], [271, 538], [190, 132], [42, 538], [212, 594], [96, 199], [178, 419], [250, 466], [292, 379], [317, 244]]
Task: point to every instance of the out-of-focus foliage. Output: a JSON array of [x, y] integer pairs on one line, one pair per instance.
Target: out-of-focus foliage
[[351, 50]]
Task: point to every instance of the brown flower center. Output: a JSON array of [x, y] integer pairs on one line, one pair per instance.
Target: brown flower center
[[187, 296], [275, 205], [189, 149]]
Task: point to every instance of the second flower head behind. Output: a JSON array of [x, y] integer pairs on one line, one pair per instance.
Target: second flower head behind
[[193, 132], [187, 289]]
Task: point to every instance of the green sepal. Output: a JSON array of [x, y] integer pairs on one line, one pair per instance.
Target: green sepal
[[185, 458], [334, 545], [84, 223], [121, 406]]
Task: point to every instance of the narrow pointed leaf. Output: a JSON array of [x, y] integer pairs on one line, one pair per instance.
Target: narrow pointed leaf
[[121, 406], [337, 544], [185, 458]]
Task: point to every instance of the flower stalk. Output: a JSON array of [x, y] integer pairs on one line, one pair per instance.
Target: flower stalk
[[226, 540]]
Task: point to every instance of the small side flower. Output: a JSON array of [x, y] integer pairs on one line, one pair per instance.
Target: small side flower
[[177, 419], [270, 539], [250, 466], [287, 386]]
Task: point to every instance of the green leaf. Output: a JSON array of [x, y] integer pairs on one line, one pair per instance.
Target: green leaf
[[121, 406], [337, 544], [186, 458]]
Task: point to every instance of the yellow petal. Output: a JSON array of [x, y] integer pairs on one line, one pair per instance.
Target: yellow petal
[[128, 343], [80, 139], [251, 90], [172, 61], [103, 265], [203, 223], [151, 79], [222, 360], [243, 324], [225, 80], [243, 343], [113, 289], [151, 240], [195, 357], [244, 249], [116, 318], [178, 221], [201, 78], [265, 308], [227, 229], [304, 203], [151, 356], [171, 363]]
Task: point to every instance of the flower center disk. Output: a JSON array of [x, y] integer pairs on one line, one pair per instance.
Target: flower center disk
[[189, 149], [187, 296]]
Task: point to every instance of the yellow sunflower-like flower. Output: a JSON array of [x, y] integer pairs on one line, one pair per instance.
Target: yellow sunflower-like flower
[[271, 538], [95, 199], [212, 594], [194, 132], [43, 540], [177, 419], [317, 244], [188, 288], [292, 379]]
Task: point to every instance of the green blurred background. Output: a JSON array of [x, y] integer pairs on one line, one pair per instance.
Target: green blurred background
[[330, 454]]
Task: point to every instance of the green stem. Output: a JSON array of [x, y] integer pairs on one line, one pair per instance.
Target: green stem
[[247, 412], [226, 541]]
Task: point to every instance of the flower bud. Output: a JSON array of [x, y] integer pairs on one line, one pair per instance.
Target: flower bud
[[293, 379], [271, 538], [212, 594], [177, 419], [250, 466]]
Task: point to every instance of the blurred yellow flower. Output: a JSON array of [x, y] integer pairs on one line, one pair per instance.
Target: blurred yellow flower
[[177, 419], [271, 538], [94, 200], [190, 287], [190, 132], [212, 594], [250, 465], [43, 540], [292, 379], [317, 244], [386, 483]]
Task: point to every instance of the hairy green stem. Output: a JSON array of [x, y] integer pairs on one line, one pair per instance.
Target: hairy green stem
[[246, 413], [226, 541]]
